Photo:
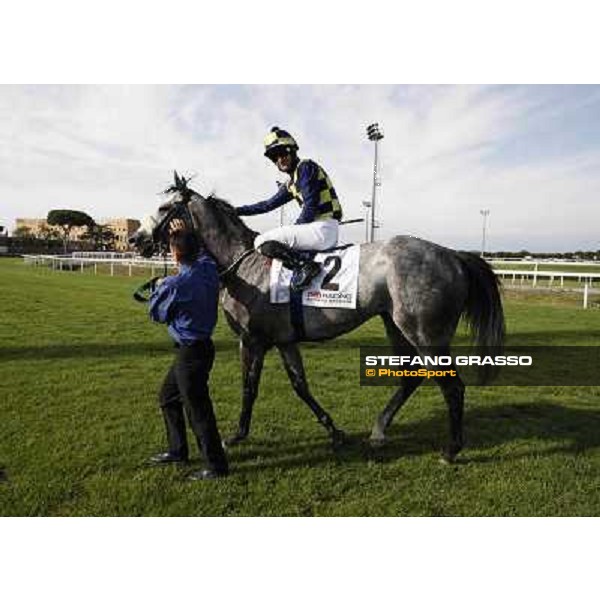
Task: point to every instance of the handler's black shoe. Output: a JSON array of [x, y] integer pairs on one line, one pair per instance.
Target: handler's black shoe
[[167, 458], [207, 474], [302, 277]]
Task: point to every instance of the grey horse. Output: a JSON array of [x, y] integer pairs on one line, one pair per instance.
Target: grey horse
[[419, 289]]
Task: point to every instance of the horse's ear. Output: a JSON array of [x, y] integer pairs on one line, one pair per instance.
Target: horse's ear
[[177, 180]]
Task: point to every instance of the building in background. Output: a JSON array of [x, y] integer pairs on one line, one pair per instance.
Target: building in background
[[34, 226], [122, 229], [39, 228]]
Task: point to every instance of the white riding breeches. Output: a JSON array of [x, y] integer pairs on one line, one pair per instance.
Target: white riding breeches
[[318, 235]]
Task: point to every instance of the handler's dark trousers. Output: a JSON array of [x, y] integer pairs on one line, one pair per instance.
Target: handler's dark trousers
[[186, 386]]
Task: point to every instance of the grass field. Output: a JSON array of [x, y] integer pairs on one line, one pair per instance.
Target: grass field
[[81, 364]]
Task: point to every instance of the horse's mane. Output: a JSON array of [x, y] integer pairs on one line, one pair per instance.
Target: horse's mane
[[225, 213], [224, 208]]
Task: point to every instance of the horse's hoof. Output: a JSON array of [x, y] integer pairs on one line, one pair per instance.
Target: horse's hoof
[[234, 440], [448, 459], [377, 441]]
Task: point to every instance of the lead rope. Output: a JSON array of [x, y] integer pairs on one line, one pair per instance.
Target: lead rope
[[143, 293], [165, 263]]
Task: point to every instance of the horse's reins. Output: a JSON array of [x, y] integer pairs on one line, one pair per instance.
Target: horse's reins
[[189, 223], [236, 263], [157, 237], [158, 240]]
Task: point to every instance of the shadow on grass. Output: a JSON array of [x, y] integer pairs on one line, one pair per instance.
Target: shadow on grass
[[525, 338], [571, 431], [81, 350], [97, 350], [78, 350], [550, 338]]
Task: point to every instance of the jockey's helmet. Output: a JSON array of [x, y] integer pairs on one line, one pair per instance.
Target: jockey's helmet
[[276, 141]]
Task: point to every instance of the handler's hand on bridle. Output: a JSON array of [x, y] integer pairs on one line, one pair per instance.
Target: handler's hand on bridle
[[176, 225]]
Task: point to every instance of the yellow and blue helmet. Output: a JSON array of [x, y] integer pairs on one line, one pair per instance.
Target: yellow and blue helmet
[[277, 139]]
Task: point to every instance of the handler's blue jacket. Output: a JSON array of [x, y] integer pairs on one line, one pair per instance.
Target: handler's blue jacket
[[312, 189], [188, 301]]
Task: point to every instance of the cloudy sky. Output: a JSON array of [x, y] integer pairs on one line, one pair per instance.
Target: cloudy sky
[[529, 154]]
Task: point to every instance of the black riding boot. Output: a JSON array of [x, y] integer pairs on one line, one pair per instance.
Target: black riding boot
[[304, 270]]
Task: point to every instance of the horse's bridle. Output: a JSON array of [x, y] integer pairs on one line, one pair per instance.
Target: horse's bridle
[[179, 209]]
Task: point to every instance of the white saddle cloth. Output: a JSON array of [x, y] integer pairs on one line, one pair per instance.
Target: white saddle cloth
[[335, 287]]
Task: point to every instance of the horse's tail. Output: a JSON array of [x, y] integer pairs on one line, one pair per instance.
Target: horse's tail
[[483, 309]]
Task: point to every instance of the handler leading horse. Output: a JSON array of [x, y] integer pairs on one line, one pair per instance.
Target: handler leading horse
[[418, 288]]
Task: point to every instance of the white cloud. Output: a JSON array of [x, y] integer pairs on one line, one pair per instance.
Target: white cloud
[[108, 150]]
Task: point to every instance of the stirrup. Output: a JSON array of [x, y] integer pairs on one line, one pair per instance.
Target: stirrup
[[302, 277], [282, 252]]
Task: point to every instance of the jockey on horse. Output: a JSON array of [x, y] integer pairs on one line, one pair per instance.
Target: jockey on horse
[[316, 228]]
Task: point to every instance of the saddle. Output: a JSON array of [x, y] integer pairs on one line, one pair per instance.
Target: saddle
[[334, 283], [302, 277], [300, 262]]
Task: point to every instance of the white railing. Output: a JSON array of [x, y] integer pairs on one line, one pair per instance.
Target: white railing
[[79, 262], [520, 278], [110, 255], [551, 276], [544, 261]]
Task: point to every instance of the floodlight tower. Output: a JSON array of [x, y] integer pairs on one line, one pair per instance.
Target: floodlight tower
[[282, 209], [484, 213], [374, 134]]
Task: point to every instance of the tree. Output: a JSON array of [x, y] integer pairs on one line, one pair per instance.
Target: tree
[[102, 236], [47, 233], [23, 232], [67, 219]]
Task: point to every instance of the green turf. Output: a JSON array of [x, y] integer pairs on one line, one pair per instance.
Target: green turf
[[81, 364]]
